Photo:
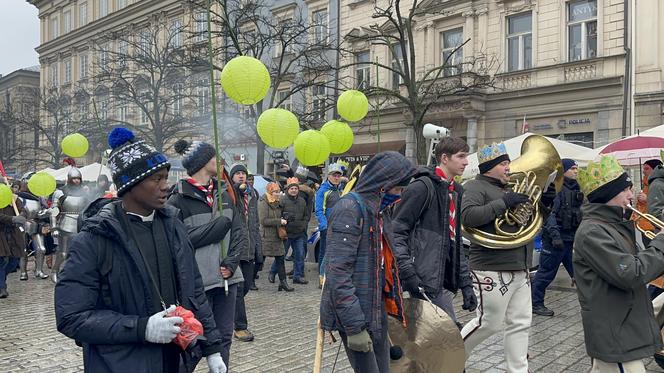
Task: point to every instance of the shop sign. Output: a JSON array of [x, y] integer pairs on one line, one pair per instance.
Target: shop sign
[[573, 122], [357, 158]]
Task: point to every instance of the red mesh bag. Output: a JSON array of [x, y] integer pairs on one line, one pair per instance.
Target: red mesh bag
[[190, 329]]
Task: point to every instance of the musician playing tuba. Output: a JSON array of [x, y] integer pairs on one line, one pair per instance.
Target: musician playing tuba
[[612, 271], [500, 276]]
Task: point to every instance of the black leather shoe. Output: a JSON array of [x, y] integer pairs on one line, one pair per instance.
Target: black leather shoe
[[253, 287], [289, 258], [4, 293], [270, 277], [300, 281], [542, 310], [283, 285]]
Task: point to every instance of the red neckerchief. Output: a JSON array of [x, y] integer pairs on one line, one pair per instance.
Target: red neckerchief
[[452, 219], [208, 191]]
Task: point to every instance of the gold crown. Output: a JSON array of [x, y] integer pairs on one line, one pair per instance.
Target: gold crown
[[491, 152], [599, 173]]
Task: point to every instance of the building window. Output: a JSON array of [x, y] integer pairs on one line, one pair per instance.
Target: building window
[[54, 74], [66, 21], [123, 53], [67, 68], [203, 96], [145, 43], [178, 98], [582, 29], [83, 66], [451, 40], [201, 26], [519, 42], [319, 97], [55, 28], [122, 113], [285, 99], [176, 33], [319, 20], [103, 58], [82, 15], [362, 70], [144, 108], [103, 109], [122, 4], [397, 64], [83, 110], [103, 8]]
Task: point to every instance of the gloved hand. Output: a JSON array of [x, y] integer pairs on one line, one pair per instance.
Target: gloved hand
[[19, 220], [469, 298], [512, 199], [162, 329], [558, 244], [216, 363], [411, 284], [360, 342]]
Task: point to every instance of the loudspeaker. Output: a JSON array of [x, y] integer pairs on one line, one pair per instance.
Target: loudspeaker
[[430, 131]]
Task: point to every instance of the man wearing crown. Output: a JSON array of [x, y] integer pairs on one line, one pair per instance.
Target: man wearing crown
[[612, 272], [500, 277]]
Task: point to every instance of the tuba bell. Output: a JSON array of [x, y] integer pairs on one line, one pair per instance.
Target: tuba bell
[[530, 174]]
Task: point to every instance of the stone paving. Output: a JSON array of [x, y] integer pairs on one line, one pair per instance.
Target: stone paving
[[284, 325]]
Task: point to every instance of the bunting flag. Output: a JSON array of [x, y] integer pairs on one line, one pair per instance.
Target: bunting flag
[[524, 125], [2, 170]]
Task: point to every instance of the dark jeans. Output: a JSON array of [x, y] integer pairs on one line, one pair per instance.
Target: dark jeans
[[7, 265], [376, 361], [298, 245], [280, 265], [322, 243], [550, 259], [242, 290], [223, 308]]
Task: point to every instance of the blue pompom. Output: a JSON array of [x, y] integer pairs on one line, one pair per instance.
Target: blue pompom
[[119, 136]]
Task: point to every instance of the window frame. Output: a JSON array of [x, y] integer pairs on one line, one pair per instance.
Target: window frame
[[203, 96], [457, 56], [363, 72], [103, 8], [83, 66], [54, 74], [55, 27], [82, 14], [176, 33], [67, 21], [321, 31], [288, 103], [318, 100], [521, 37], [200, 26], [584, 31], [67, 71]]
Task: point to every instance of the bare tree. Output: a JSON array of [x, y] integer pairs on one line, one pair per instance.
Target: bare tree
[[299, 54], [417, 91]]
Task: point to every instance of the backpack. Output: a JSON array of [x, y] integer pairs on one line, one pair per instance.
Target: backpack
[[431, 193]]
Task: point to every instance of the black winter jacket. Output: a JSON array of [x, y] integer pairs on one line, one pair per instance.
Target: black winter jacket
[[295, 211], [103, 296], [565, 215], [422, 235], [253, 250]]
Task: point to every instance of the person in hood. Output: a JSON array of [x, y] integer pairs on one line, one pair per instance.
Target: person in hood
[[500, 277], [426, 222], [327, 196], [128, 268], [558, 236], [217, 238], [611, 273], [359, 292]]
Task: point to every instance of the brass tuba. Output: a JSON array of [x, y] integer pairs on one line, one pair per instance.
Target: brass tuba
[[530, 174]]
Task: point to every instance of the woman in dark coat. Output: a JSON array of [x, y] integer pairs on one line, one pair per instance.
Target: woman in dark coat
[[12, 243], [269, 213]]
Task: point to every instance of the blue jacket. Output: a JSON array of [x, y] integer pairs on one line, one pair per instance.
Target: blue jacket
[[103, 296], [352, 298], [324, 205]]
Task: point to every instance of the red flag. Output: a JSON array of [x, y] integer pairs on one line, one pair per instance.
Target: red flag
[[2, 170], [524, 126]]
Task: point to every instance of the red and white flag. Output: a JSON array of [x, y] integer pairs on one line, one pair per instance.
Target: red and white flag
[[524, 125], [2, 170]]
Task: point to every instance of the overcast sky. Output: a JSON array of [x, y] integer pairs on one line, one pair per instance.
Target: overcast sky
[[19, 35]]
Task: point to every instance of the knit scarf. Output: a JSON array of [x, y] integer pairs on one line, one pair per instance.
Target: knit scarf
[[209, 198], [452, 219]]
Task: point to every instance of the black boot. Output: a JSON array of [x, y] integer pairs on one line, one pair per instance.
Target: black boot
[[270, 277], [542, 310], [283, 285]]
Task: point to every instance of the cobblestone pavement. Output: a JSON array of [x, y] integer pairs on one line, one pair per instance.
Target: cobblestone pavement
[[284, 325]]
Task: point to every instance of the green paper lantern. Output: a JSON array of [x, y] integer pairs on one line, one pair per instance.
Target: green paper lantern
[[311, 148], [74, 145], [245, 80], [278, 128], [353, 105], [339, 134], [6, 196], [41, 184]]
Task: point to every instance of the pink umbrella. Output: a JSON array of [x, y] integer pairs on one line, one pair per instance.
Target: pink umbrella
[[633, 151]]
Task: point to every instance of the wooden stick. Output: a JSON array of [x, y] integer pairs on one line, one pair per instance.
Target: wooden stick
[[320, 342]]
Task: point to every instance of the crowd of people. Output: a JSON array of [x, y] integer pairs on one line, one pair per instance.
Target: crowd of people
[[131, 263]]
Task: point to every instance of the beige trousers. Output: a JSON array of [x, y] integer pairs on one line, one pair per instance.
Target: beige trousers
[[635, 366]]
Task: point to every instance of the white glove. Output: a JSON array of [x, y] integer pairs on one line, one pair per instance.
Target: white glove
[[161, 329], [216, 363]]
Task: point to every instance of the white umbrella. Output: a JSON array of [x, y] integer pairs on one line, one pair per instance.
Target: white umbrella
[[92, 171], [513, 146]]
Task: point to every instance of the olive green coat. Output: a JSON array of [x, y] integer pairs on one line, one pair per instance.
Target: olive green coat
[[269, 215]]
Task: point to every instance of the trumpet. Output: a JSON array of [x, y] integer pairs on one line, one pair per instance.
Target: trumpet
[[649, 217]]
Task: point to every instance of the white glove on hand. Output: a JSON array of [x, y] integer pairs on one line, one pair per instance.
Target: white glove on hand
[[216, 363], [161, 329]]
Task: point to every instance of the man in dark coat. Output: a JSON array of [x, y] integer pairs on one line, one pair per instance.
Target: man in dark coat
[[297, 215], [12, 241], [197, 200], [425, 223], [612, 272], [128, 268], [247, 204], [359, 290], [558, 236]]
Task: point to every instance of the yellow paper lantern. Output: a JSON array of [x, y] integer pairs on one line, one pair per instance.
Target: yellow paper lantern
[[353, 105], [74, 145], [41, 184], [5, 196], [311, 148], [339, 134], [278, 128], [245, 80]]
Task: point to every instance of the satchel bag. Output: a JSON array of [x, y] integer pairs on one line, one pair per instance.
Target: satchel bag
[[281, 231]]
